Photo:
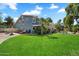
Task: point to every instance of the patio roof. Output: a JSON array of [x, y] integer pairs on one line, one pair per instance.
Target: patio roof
[[36, 25]]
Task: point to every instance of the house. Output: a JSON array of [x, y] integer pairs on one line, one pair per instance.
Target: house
[[26, 23]]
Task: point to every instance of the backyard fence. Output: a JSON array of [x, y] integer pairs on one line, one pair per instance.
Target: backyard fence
[[8, 29]]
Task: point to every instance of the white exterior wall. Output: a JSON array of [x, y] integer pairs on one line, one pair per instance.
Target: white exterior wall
[[25, 23]]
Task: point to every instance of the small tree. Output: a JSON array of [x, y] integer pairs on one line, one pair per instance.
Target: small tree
[[43, 29], [43, 22], [58, 26]]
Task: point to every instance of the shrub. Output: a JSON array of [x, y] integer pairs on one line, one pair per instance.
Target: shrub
[[75, 28]]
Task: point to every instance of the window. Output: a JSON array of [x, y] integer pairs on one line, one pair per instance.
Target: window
[[34, 20]]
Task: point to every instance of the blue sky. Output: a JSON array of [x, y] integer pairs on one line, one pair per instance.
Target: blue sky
[[54, 10]]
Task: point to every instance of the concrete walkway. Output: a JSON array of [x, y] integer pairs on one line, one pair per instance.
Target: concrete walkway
[[4, 36]]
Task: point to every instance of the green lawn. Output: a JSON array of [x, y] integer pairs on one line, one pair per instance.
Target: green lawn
[[46, 45]]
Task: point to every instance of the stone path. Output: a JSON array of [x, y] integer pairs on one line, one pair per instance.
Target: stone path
[[4, 37]]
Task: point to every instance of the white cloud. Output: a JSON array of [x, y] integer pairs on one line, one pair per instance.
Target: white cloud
[[32, 12], [4, 14], [36, 11], [61, 10], [15, 19], [38, 8], [10, 5], [53, 6]]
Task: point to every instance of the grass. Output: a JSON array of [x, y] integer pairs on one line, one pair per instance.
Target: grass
[[46, 45]]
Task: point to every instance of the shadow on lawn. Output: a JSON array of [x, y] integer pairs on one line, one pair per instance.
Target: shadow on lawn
[[50, 37], [46, 35]]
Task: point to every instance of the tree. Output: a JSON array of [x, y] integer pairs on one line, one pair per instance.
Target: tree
[[58, 25], [44, 22], [43, 29], [9, 21], [44, 25], [0, 18], [68, 22], [73, 10], [75, 28], [49, 19], [59, 22]]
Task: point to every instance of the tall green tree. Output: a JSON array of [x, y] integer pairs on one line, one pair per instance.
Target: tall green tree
[[68, 22], [73, 10], [9, 21]]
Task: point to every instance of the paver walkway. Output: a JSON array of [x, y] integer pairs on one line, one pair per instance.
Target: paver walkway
[[4, 37]]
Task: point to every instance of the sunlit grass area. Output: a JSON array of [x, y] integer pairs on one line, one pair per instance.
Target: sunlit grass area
[[41, 45]]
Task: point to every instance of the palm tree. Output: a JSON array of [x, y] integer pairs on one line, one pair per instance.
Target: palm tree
[[9, 22], [73, 10]]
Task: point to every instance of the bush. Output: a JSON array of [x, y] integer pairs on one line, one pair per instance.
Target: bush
[[37, 30], [58, 27], [75, 28]]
